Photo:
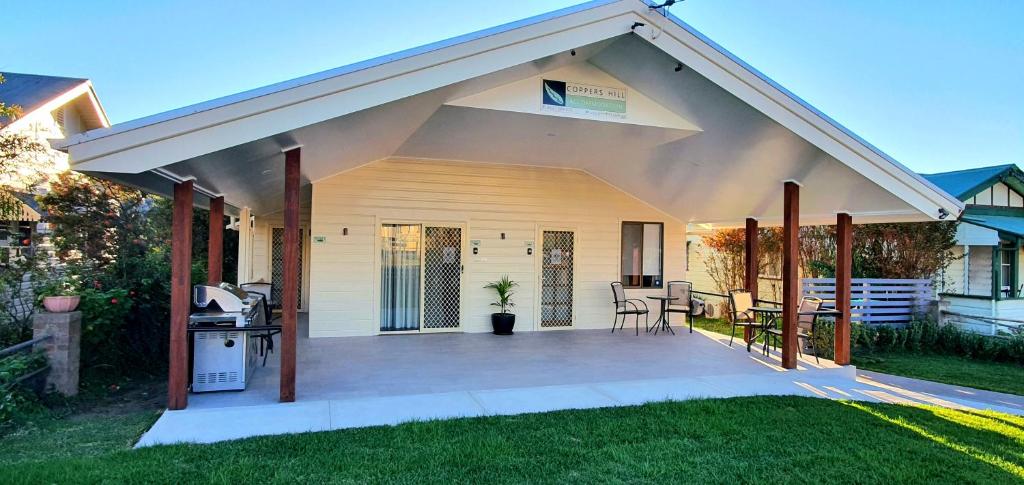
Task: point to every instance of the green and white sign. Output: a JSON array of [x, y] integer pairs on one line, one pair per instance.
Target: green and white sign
[[583, 99]]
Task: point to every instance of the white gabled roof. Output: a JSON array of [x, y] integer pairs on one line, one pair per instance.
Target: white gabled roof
[[187, 133]]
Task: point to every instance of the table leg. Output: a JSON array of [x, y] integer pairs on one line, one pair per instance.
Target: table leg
[[668, 321], [661, 316]]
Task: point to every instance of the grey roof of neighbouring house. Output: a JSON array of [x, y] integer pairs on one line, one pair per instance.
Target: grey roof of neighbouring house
[[963, 184], [30, 91]]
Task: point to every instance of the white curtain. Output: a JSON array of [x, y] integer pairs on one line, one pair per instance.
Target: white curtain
[[400, 277]]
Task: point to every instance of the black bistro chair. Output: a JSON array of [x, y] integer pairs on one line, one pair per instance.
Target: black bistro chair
[[683, 291], [740, 303], [626, 306], [806, 321]]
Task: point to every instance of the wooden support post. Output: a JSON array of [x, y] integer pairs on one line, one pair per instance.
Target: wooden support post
[[790, 272], [750, 263], [844, 268], [290, 274], [181, 303], [215, 248]]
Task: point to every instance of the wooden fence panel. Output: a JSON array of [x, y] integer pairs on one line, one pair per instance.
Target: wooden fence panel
[[876, 301]]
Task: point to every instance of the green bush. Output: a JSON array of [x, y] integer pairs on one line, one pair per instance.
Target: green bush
[[926, 335], [17, 402], [825, 339], [103, 326]]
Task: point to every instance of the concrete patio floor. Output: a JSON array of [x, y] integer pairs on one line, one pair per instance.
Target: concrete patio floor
[[384, 380]]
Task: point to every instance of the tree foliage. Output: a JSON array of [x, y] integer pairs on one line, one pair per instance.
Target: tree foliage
[[8, 111], [19, 158], [898, 250], [98, 222], [117, 241]]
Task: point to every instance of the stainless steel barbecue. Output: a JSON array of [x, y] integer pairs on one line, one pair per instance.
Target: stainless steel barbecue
[[224, 353], [224, 300]]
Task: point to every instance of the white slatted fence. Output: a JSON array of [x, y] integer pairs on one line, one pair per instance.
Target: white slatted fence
[[876, 301]]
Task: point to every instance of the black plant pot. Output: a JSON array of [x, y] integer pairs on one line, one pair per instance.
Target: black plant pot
[[503, 323]]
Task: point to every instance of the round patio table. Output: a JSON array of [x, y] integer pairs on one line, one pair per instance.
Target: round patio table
[[663, 317], [769, 319]]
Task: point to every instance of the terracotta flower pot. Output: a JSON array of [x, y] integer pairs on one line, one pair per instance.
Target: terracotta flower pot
[[60, 304]]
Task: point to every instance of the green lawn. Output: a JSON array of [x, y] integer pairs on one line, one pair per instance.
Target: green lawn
[[948, 369], [762, 439], [980, 374]]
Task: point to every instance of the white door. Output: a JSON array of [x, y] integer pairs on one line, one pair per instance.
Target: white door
[[557, 278], [421, 278]]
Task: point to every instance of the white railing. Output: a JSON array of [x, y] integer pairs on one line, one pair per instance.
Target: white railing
[[876, 301]]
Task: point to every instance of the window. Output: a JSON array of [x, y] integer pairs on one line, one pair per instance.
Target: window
[[1007, 270], [642, 254]]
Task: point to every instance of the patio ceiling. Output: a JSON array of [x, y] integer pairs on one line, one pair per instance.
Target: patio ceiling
[[720, 161]]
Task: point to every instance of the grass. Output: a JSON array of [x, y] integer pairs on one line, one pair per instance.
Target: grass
[[764, 439], [949, 369]]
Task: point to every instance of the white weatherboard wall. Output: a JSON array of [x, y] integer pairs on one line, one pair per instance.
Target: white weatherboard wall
[[488, 199]]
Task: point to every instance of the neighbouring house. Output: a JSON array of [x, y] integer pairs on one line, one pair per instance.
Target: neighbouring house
[[567, 150], [986, 279], [50, 108], [28, 231]]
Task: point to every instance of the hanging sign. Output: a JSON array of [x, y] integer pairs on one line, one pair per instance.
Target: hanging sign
[[583, 99]]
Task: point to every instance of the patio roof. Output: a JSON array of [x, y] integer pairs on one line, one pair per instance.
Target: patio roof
[[729, 138]]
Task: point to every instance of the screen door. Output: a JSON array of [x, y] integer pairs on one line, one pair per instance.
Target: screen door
[[556, 305], [277, 264], [442, 277]]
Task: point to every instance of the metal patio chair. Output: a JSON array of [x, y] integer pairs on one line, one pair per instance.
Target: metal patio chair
[[806, 321], [626, 306], [683, 291], [740, 303]]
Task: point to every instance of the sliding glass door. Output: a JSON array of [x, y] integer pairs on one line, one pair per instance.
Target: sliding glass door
[[421, 277], [400, 259]]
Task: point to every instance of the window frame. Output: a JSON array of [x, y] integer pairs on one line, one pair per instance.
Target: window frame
[[661, 258], [1007, 251]]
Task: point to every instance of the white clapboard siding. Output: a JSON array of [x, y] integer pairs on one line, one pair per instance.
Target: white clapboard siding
[[876, 301], [488, 200]]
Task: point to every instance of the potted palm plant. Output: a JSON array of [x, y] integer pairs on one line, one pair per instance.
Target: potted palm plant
[[504, 321]]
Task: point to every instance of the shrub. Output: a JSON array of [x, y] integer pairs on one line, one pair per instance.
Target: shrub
[[103, 329], [926, 335], [825, 339], [17, 402]]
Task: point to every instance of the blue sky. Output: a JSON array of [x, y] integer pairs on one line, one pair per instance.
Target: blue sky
[[937, 84]]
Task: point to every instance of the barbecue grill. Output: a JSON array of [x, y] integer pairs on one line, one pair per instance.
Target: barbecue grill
[[224, 351]]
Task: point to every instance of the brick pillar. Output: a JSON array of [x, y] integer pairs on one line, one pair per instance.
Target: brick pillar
[[63, 350]]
